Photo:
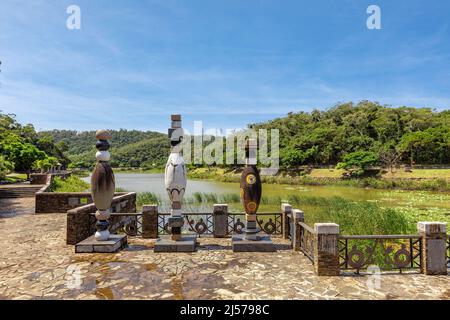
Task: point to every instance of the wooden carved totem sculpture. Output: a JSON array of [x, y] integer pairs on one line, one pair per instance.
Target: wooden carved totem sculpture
[[250, 185], [175, 177], [102, 185]]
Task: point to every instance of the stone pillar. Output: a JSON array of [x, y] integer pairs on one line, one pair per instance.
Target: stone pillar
[[297, 216], [150, 222], [175, 177], [220, 220], [326, 250], [434, 237], [286, 209], [102, 185], [78, 227]]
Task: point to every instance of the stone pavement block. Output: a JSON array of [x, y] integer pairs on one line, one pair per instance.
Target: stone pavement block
[[113, 244], [264, 244], [166, 244], [84, 249]]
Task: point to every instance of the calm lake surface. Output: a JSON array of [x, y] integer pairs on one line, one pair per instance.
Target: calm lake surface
[[141, 182]]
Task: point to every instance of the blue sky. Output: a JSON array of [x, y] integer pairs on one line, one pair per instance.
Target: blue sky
[[227, 63]]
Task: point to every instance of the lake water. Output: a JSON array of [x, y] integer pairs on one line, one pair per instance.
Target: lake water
[[154, 183]]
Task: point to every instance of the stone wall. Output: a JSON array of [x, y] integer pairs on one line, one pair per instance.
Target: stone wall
[[53, 202], [44, 178], [78, 222], [38, 178]]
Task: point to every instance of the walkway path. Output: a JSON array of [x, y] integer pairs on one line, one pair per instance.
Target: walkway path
[[19, 190], [35, 263]]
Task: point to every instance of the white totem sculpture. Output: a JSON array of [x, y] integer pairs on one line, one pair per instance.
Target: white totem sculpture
[[175, 177]]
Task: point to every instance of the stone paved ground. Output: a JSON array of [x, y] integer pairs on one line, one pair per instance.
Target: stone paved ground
[[16, 206], [35, 263]]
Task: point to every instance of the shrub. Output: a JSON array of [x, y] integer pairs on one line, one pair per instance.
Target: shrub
[[5, 167], [70, 184], [144, 198], [360, 217], [357, 163]]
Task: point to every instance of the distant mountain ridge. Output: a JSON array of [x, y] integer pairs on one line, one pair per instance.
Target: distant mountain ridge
[[129, 148], [389, 135]]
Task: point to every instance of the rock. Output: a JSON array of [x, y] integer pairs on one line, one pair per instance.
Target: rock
[[102, 156], [103, 135]]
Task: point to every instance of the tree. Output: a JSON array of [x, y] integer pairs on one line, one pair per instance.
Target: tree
[[389, 156], [22, 146], [291, 157], [357, 163], [23, 155], [45, 164], [5, 167]]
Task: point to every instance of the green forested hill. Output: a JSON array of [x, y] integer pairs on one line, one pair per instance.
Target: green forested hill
[[384, 135], [406, 135], [129, 148]]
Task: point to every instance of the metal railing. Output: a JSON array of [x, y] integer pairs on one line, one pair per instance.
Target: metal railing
[[448, 251], [290, 226], [202, 223], [388, 252], [307, 238], [199, 223], [125, 223]]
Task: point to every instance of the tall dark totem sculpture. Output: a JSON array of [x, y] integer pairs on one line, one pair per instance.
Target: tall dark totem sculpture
[[251, 191]]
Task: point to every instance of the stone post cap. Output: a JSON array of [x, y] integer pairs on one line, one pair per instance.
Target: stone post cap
[[102, 134], [298, 214], [326, 228], [220, 204], [286, 207], [429, 227], [220, 207], [149, 207]]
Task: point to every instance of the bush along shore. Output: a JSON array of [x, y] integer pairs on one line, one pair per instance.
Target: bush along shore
[[430, 184]]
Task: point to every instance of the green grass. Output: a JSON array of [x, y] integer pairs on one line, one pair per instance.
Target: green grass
[[139, 170], [359, 217], [418, 174], [431, 184], [81, 173], [354, 217], [144, 198], [70, 184], [14, 178]]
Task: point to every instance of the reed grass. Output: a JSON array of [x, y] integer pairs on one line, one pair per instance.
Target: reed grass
[[70, 184]]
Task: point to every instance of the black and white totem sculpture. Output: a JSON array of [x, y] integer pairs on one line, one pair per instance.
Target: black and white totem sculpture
[[102, 189], [251, 191], [175, 177], [175, 183]]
